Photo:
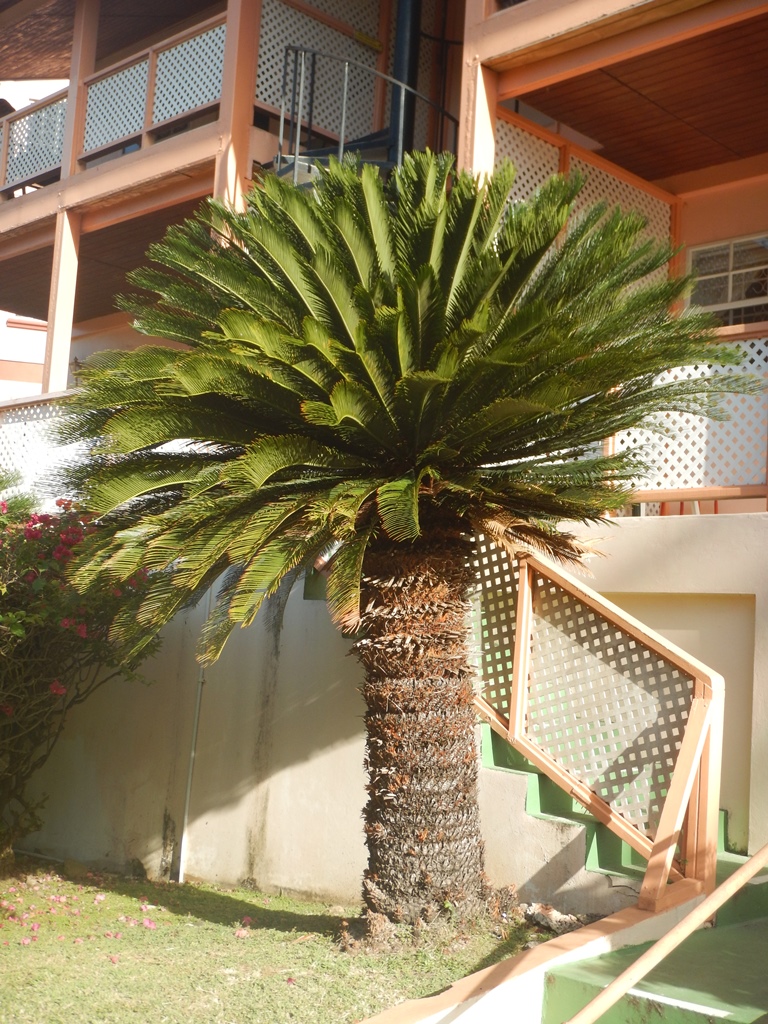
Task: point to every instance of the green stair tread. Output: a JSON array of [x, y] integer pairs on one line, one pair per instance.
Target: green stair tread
[[720, 969]]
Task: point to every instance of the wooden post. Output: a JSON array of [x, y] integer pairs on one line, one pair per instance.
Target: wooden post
[[675, 804], [521, 666], [61, 306], [82, 64], [477, 135], [238, 92]]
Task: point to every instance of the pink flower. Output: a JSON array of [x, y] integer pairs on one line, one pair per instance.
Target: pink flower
[[148, 923], [241, 933], [25, 941], [3, 507], [114, 959], [66, 623], [58, 690], [82, 630], [35, 927], [78, 942], [247, 920]]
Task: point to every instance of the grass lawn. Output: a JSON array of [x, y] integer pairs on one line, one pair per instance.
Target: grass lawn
[[109, 949]]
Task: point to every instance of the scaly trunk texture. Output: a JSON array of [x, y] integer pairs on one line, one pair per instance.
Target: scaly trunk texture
[[421, 818]]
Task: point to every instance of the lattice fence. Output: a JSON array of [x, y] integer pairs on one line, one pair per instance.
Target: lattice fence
[[601, 186], [700, 453], [281, 26], [362, 15], [35, 142], [28, 444], [116, 106], [603, 706], [188, 75], [535, 159], [495, 623]]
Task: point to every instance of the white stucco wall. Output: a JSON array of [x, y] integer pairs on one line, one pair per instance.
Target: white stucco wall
[[278, 784], [703, 581]]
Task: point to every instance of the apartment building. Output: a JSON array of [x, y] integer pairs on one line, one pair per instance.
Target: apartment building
[[656, 103]]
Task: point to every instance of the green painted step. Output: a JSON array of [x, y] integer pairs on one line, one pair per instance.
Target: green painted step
[[606, 852], [716, 974]]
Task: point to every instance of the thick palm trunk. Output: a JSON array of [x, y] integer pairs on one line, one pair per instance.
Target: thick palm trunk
[[421, 818]]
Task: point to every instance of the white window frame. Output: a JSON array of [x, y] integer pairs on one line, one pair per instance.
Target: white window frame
[[733, 312]]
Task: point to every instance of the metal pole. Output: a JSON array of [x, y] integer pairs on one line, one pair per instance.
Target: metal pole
[[343, 128], [405, 69], [298, 121]]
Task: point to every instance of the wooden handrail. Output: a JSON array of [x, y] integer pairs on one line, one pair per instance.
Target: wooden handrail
[[22, 112], [696, 767], [653, 956]]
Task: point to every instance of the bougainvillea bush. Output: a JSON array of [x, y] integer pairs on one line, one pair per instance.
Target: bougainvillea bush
[[55, 649]]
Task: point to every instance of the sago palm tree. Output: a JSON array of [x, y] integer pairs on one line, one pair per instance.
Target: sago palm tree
[[371, 375]]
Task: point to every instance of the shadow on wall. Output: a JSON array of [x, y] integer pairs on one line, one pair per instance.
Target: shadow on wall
[[278, 759]]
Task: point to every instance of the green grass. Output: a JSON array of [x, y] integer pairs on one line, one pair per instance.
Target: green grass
[[116, 950]]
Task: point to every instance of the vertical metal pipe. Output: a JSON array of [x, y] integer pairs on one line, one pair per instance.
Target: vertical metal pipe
[[283, 102], [292, 136], [298, 120], [343, 126], [405, 69], [311, 114], [401, 131]]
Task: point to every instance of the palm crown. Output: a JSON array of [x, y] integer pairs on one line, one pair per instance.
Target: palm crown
[[366, 360]]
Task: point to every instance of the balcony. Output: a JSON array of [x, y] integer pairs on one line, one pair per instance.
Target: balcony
[[161, 91]]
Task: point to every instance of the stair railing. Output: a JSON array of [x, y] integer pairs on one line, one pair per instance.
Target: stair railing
[[297, 109], [669, 942], [625, 722]]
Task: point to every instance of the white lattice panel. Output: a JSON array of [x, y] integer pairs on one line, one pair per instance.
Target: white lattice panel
[[699, 452], [362, 15], [35, 142], [603, 706], [535, 160], [116, 106], [282, 26], [495, 626], [27, 445], [189, 75], [600, 186]]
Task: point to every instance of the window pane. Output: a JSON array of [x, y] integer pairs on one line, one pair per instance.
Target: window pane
[[711, 261], [711, 290], [751, 284], [753, 253]]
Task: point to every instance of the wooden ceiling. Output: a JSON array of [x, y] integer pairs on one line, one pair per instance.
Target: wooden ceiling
[[680, 108], [105, 258], [39, 44]]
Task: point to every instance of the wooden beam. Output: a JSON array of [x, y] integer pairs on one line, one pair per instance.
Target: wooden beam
[[521, 665], [232, 177], [675, 804], [61, 305], [82, 64]]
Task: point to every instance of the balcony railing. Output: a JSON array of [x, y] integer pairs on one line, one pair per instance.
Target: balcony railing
[[711, 460], [28, 442], [627, 724], [31, 143], [169, 86]]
